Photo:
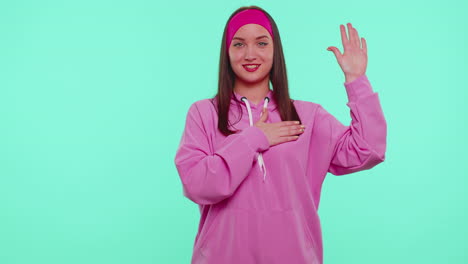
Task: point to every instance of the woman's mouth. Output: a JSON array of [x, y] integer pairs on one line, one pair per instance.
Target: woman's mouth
[[251, 67]]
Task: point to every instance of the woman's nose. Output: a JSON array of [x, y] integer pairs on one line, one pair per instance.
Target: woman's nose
[[250, 53]]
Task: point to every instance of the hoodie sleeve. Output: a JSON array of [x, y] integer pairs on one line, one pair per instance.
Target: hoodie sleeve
[[361, 145], [209, 176]]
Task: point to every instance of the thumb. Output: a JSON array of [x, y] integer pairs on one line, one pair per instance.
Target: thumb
[[264, 115], [335, 51]]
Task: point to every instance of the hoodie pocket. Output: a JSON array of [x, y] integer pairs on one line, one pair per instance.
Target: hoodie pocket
[[309, 238], [204, 236], [230, 239]]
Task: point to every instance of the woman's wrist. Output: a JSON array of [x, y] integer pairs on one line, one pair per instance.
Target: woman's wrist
[[349, 78]]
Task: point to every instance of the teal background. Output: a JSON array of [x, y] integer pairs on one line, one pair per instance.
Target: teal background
[[93, 98]]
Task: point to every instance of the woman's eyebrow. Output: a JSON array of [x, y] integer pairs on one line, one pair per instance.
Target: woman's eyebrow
[[259, 37]]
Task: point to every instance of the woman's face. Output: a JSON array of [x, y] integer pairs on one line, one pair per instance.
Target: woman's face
[[252, 44]]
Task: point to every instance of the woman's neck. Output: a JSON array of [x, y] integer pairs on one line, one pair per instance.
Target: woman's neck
[[255, 92]]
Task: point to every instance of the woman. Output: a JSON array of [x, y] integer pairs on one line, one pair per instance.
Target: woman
[[254, 160]]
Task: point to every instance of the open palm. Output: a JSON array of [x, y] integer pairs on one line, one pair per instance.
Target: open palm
[[354, 60]]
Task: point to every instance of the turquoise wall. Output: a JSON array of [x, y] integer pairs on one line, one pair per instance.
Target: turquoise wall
[[93, 98]]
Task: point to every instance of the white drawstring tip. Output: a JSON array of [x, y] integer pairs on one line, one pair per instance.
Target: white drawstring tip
[[261, 164]]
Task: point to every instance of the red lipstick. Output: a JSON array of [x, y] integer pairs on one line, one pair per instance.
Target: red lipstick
[[251, 69]]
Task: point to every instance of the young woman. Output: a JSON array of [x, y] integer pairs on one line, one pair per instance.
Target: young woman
[[254, 160]]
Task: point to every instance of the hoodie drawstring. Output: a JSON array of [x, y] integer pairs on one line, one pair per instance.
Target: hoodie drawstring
[[261, 162]]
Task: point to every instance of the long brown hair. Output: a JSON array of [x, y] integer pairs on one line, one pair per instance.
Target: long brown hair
[[278, 78]]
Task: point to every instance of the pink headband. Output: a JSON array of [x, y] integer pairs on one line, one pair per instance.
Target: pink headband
[[248, 16]]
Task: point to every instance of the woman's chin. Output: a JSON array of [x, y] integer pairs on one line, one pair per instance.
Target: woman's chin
[[252, 80]]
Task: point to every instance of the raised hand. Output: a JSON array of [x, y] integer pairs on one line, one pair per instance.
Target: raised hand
[[354, 60], [279, 132]]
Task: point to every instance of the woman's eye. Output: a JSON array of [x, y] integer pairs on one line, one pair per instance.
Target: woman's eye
[[261, 44]]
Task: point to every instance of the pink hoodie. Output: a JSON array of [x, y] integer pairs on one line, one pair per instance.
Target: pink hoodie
[[258, 203]]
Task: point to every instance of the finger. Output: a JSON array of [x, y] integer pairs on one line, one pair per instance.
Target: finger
[[285, 139], [286, 123], [290, 138], [352, 37], [356, 37], [364, 45], [344, 38], [264, 115], [289, 131]]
